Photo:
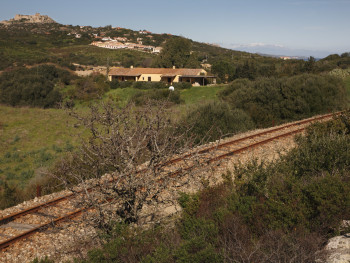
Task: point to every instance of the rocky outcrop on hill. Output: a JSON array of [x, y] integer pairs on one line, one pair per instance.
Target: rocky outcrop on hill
[[37, 18]]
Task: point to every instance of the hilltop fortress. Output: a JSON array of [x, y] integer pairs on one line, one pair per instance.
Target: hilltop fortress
[[37, 18]]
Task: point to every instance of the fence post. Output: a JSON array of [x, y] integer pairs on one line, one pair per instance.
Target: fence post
[[38, 191]]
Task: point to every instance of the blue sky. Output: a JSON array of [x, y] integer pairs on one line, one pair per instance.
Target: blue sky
[[304, 27]]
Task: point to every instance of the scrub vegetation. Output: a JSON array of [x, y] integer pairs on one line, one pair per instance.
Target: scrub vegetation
[[271, 212]]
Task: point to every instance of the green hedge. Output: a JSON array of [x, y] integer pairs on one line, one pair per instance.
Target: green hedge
[[269, 100]]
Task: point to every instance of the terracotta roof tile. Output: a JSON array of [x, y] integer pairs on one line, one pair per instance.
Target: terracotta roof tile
[[163, 71]]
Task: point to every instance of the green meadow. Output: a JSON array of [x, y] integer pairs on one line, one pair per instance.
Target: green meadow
[[201, 94], [190, 96], [31, 139]]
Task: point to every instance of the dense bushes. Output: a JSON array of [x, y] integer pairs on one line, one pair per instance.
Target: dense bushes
[[150, 85], [37, 87], [308, 188], [143, 97], [182, 85], [269, 99], [88, 88], [152, 91], [234, 67], [215, 120], [270, 213], [114, 84], [46, 86]]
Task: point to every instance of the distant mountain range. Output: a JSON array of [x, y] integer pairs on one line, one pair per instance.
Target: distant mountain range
[[277, 50]]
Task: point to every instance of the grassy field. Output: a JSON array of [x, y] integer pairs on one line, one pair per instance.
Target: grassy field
[[195, 95], [31, 139], [121, 95], [190, 96]]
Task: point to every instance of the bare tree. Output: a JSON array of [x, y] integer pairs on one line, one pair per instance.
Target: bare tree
[[133, 145]]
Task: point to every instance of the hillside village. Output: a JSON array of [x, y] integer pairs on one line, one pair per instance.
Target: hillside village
[[123, 43]]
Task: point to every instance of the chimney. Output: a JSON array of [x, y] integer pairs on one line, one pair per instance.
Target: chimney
[[131, 66], [173, 67]]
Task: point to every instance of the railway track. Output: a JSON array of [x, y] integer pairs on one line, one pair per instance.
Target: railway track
[[22, 224]]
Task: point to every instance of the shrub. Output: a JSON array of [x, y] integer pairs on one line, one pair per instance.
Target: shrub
[[114, 84], [146, 85], [323, 149], [269, 213], [141, 98], [121, 84], [182, 85], [88, 88], [42, 260], [33, 87], [307, 188], [129, 246], [215, 120], [269, 99], [8, 195], [150, 85]]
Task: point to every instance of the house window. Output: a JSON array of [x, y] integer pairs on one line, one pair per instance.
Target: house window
[[149, 78], [169, 80], [143, 78]]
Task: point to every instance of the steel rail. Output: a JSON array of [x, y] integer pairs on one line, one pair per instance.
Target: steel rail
[[32, 209], [254, 145], [25, 234], [237, 151], [15, 215], [30, 232], [225, 144]]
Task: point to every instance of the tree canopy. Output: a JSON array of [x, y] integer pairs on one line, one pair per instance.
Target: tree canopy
[[285, 99], [177, 52], [34, 87]]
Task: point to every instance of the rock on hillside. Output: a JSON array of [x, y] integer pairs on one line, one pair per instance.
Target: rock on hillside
[[339, 249], [37, 18]]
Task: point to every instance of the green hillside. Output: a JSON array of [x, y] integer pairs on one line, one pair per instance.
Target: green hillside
[[28, 44], [37, 63]]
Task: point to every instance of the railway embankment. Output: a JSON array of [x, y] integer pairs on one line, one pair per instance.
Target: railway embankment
[[73, 237]]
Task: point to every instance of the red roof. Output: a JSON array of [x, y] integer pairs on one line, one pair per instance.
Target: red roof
[[162, 71]]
